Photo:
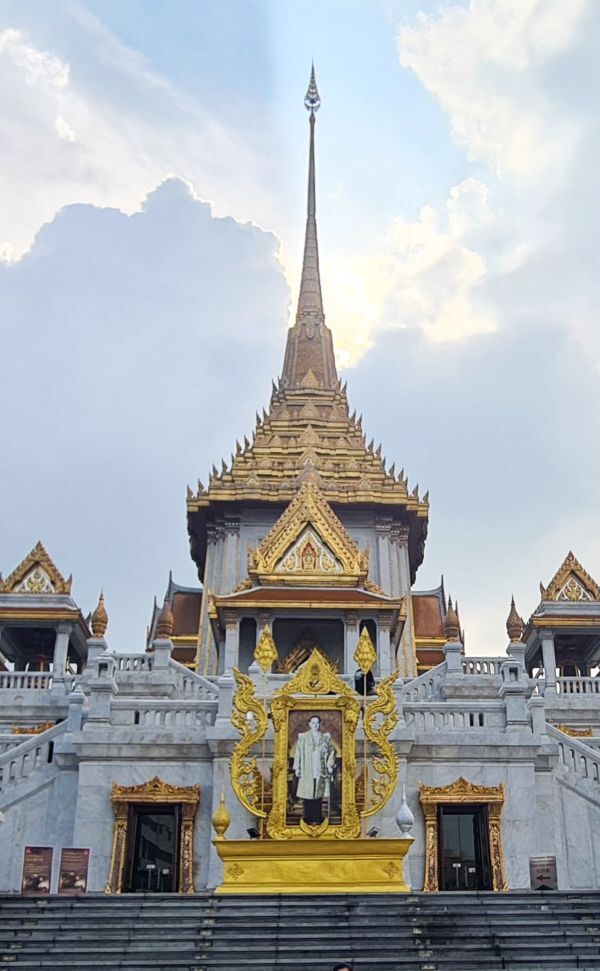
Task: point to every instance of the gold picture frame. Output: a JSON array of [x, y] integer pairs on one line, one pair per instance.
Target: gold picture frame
[[315, 688]]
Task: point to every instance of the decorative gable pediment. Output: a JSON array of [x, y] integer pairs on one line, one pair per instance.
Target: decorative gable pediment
[[36, 574], [571, 583], [308, 546]]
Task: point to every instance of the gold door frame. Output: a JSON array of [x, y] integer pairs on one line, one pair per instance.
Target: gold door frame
[[462, 791], [156, 792]]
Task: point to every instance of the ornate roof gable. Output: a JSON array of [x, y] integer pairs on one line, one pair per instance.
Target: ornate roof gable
[[571, 583], [36, 574], [308, 546]]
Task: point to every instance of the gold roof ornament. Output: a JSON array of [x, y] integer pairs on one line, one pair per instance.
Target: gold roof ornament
[[165, 622], [100, 618], [36, 574], [308, 545], [365, 654], [265, 652], [451, 623], [221, 820], [571, 583], [514, 623]]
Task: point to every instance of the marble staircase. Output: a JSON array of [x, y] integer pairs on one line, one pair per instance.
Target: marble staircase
[[413, 932]]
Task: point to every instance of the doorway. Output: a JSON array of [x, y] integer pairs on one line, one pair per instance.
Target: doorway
[[152, 854], [464, 853]]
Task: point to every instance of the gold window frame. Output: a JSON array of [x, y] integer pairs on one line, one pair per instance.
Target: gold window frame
[[465, 792], [154, 792]]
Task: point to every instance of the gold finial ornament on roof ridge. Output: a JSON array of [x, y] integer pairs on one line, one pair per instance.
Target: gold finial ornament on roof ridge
[[165, 622], [100, 618], [365, 654], [514, 623], [451, 623], [312, 99], [221, 820], [265, 652]]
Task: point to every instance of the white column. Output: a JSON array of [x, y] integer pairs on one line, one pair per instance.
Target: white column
[[549, 656], [382, 530], [350, 642], [61, 650], [384, 647], [231, 642]]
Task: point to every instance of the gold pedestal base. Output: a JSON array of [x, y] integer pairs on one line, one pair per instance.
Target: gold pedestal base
[[313, 866]]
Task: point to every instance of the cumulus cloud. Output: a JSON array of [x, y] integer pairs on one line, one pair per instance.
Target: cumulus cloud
[[66, 140], [138, 350]]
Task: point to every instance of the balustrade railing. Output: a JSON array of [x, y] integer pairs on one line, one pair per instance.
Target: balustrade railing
[[133, 662], [22, 761], [426, 686], [578, 686], [431, 717], [25, 680], [191, 684], [576, 757], [482, 665]]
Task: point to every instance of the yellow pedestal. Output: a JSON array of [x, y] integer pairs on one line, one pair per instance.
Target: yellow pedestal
[[313, 866]]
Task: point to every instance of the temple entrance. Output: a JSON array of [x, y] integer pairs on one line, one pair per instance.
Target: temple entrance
[[152, 852], [153, 838], [464, 854]]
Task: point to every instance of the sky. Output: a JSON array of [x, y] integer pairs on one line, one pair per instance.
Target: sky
[[153, 162]]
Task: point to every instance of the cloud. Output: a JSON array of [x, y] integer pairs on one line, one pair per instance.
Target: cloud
[[67, 138], [138, 350], [484, 63]]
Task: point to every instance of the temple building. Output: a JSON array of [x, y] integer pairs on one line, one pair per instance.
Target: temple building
[[307, 546]]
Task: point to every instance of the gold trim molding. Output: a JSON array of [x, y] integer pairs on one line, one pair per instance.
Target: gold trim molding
[[157, 792], [465, 792], [571, 582]]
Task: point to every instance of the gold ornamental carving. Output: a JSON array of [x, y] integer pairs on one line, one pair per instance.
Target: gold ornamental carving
[[314, 694], [36, 574], [380, 719], [365, 654], [465, 792], [571, 582], [221, 820], [249, 716], [576, 732], [326, 551], [265, 653], [33, 730], [156, 791]]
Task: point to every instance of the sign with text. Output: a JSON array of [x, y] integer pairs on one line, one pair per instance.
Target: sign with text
[[73, 874], [542, 870], [37, 869]]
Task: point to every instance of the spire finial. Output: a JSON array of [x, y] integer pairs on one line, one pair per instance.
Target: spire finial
[[309, 347], [312, 100]]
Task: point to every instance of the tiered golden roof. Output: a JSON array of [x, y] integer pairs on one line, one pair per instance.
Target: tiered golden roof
[[308, 433]]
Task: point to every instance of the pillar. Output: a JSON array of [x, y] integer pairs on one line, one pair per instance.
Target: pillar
[[61, 650], [350, 642], [384, 650], [231, 641], [382, 529], [549, 658]]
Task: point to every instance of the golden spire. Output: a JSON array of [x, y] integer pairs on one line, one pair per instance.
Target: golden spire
[[451, 623], [100, 618], [165, 622], [309, 352], [514, 623]]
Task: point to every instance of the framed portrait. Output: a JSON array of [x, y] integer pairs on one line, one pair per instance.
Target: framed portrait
[[314, 767], [315, 759]]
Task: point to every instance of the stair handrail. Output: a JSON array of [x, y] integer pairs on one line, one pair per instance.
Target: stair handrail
[[19, 752], [204, 687], [425, 686], [581, 755]]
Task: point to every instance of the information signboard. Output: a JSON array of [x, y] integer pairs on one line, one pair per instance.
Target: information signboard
[[73, 874], [37, 870]]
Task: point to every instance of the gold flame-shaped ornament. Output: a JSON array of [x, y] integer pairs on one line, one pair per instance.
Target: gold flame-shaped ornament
[[265, 653], [365, 655]]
